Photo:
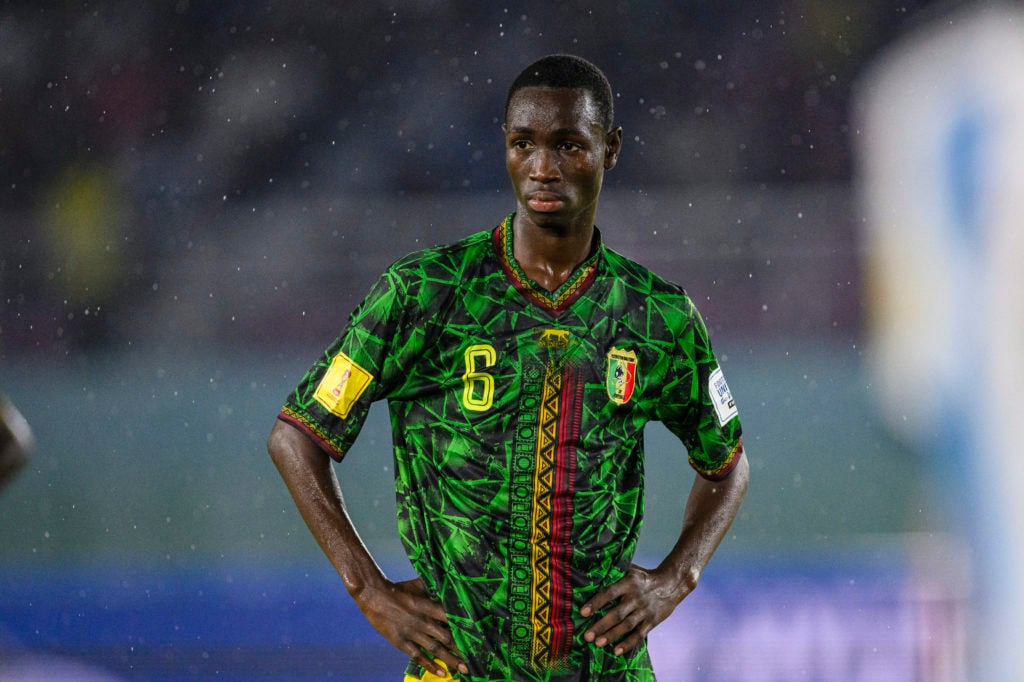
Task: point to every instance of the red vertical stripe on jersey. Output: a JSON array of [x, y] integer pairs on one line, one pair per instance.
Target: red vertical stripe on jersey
[[561, 527]]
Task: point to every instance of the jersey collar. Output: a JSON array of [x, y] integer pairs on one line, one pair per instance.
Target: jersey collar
[[553, 301]]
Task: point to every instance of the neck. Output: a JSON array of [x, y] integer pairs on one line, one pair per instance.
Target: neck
[[549, 255]]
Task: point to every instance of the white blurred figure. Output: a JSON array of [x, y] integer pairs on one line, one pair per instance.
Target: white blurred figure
[[941, 156]]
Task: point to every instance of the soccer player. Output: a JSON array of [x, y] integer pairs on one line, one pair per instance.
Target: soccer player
[[520, 366]]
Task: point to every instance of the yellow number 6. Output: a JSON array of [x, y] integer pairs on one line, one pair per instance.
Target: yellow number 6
[[477, 386]]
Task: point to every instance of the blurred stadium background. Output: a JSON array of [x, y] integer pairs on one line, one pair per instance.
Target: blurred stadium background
[[193, 197]]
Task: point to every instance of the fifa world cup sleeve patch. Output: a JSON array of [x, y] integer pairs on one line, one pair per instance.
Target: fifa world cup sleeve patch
[[721, 397], [342, 385]]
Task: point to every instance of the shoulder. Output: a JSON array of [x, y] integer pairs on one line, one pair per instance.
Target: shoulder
[[428, 277], [640, 277], [450, 258], [660, 302]]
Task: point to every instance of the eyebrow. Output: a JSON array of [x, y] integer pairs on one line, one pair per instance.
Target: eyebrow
[[560, 131]]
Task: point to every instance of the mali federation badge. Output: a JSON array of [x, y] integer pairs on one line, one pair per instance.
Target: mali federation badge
[[620, 379]]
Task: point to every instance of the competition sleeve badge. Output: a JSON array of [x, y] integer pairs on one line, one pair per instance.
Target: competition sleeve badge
[[341, 387], [721, 397], [620, 379]]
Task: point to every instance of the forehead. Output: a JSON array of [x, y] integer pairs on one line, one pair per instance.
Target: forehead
[[557, 108]]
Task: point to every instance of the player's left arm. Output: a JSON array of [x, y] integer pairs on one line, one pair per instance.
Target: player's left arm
[[644, 598]]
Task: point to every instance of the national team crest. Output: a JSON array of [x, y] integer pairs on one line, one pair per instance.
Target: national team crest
[[620, 379]]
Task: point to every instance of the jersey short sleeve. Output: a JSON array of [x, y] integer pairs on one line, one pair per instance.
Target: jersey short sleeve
[[700, 410], [361, 366]]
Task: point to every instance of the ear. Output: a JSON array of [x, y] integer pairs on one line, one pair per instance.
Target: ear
[[612, 147]]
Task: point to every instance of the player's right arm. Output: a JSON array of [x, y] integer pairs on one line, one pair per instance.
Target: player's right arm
[[401, 611]]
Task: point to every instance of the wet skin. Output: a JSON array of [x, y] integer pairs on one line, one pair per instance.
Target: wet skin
[[556, 153]]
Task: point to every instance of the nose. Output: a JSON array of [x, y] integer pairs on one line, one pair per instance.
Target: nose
[[544, 166]]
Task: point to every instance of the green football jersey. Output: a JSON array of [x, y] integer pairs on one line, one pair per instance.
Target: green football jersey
[[518, 417]]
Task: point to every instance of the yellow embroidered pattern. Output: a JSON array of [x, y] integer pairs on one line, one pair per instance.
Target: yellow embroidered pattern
[[556, 301]]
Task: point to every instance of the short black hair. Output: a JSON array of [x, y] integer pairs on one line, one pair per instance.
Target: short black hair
[[567, 71]]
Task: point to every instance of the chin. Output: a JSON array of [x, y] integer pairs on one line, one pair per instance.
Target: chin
[[550, 221]]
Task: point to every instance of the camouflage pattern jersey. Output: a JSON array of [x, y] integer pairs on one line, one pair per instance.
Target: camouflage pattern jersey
[[517, 418]]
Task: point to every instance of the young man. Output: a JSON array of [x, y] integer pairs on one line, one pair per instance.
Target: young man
[[520, 366]]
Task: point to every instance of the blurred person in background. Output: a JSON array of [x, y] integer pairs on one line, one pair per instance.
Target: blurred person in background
[[521, 366], [942, 136], [86, 223], [16, 440]]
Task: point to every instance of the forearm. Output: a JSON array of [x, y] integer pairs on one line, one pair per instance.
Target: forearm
[[309, 476], [646, 598], [710, 510], [402, 612]]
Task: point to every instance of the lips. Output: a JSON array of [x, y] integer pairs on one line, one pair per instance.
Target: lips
[[545, 202]]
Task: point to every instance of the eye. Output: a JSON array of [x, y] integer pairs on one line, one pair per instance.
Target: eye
[[569, 146], [519, 144]]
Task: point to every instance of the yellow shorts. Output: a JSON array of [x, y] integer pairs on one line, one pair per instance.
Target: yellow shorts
[[429, 676]]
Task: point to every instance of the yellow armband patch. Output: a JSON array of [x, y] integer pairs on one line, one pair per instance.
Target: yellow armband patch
[[341, 387]]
